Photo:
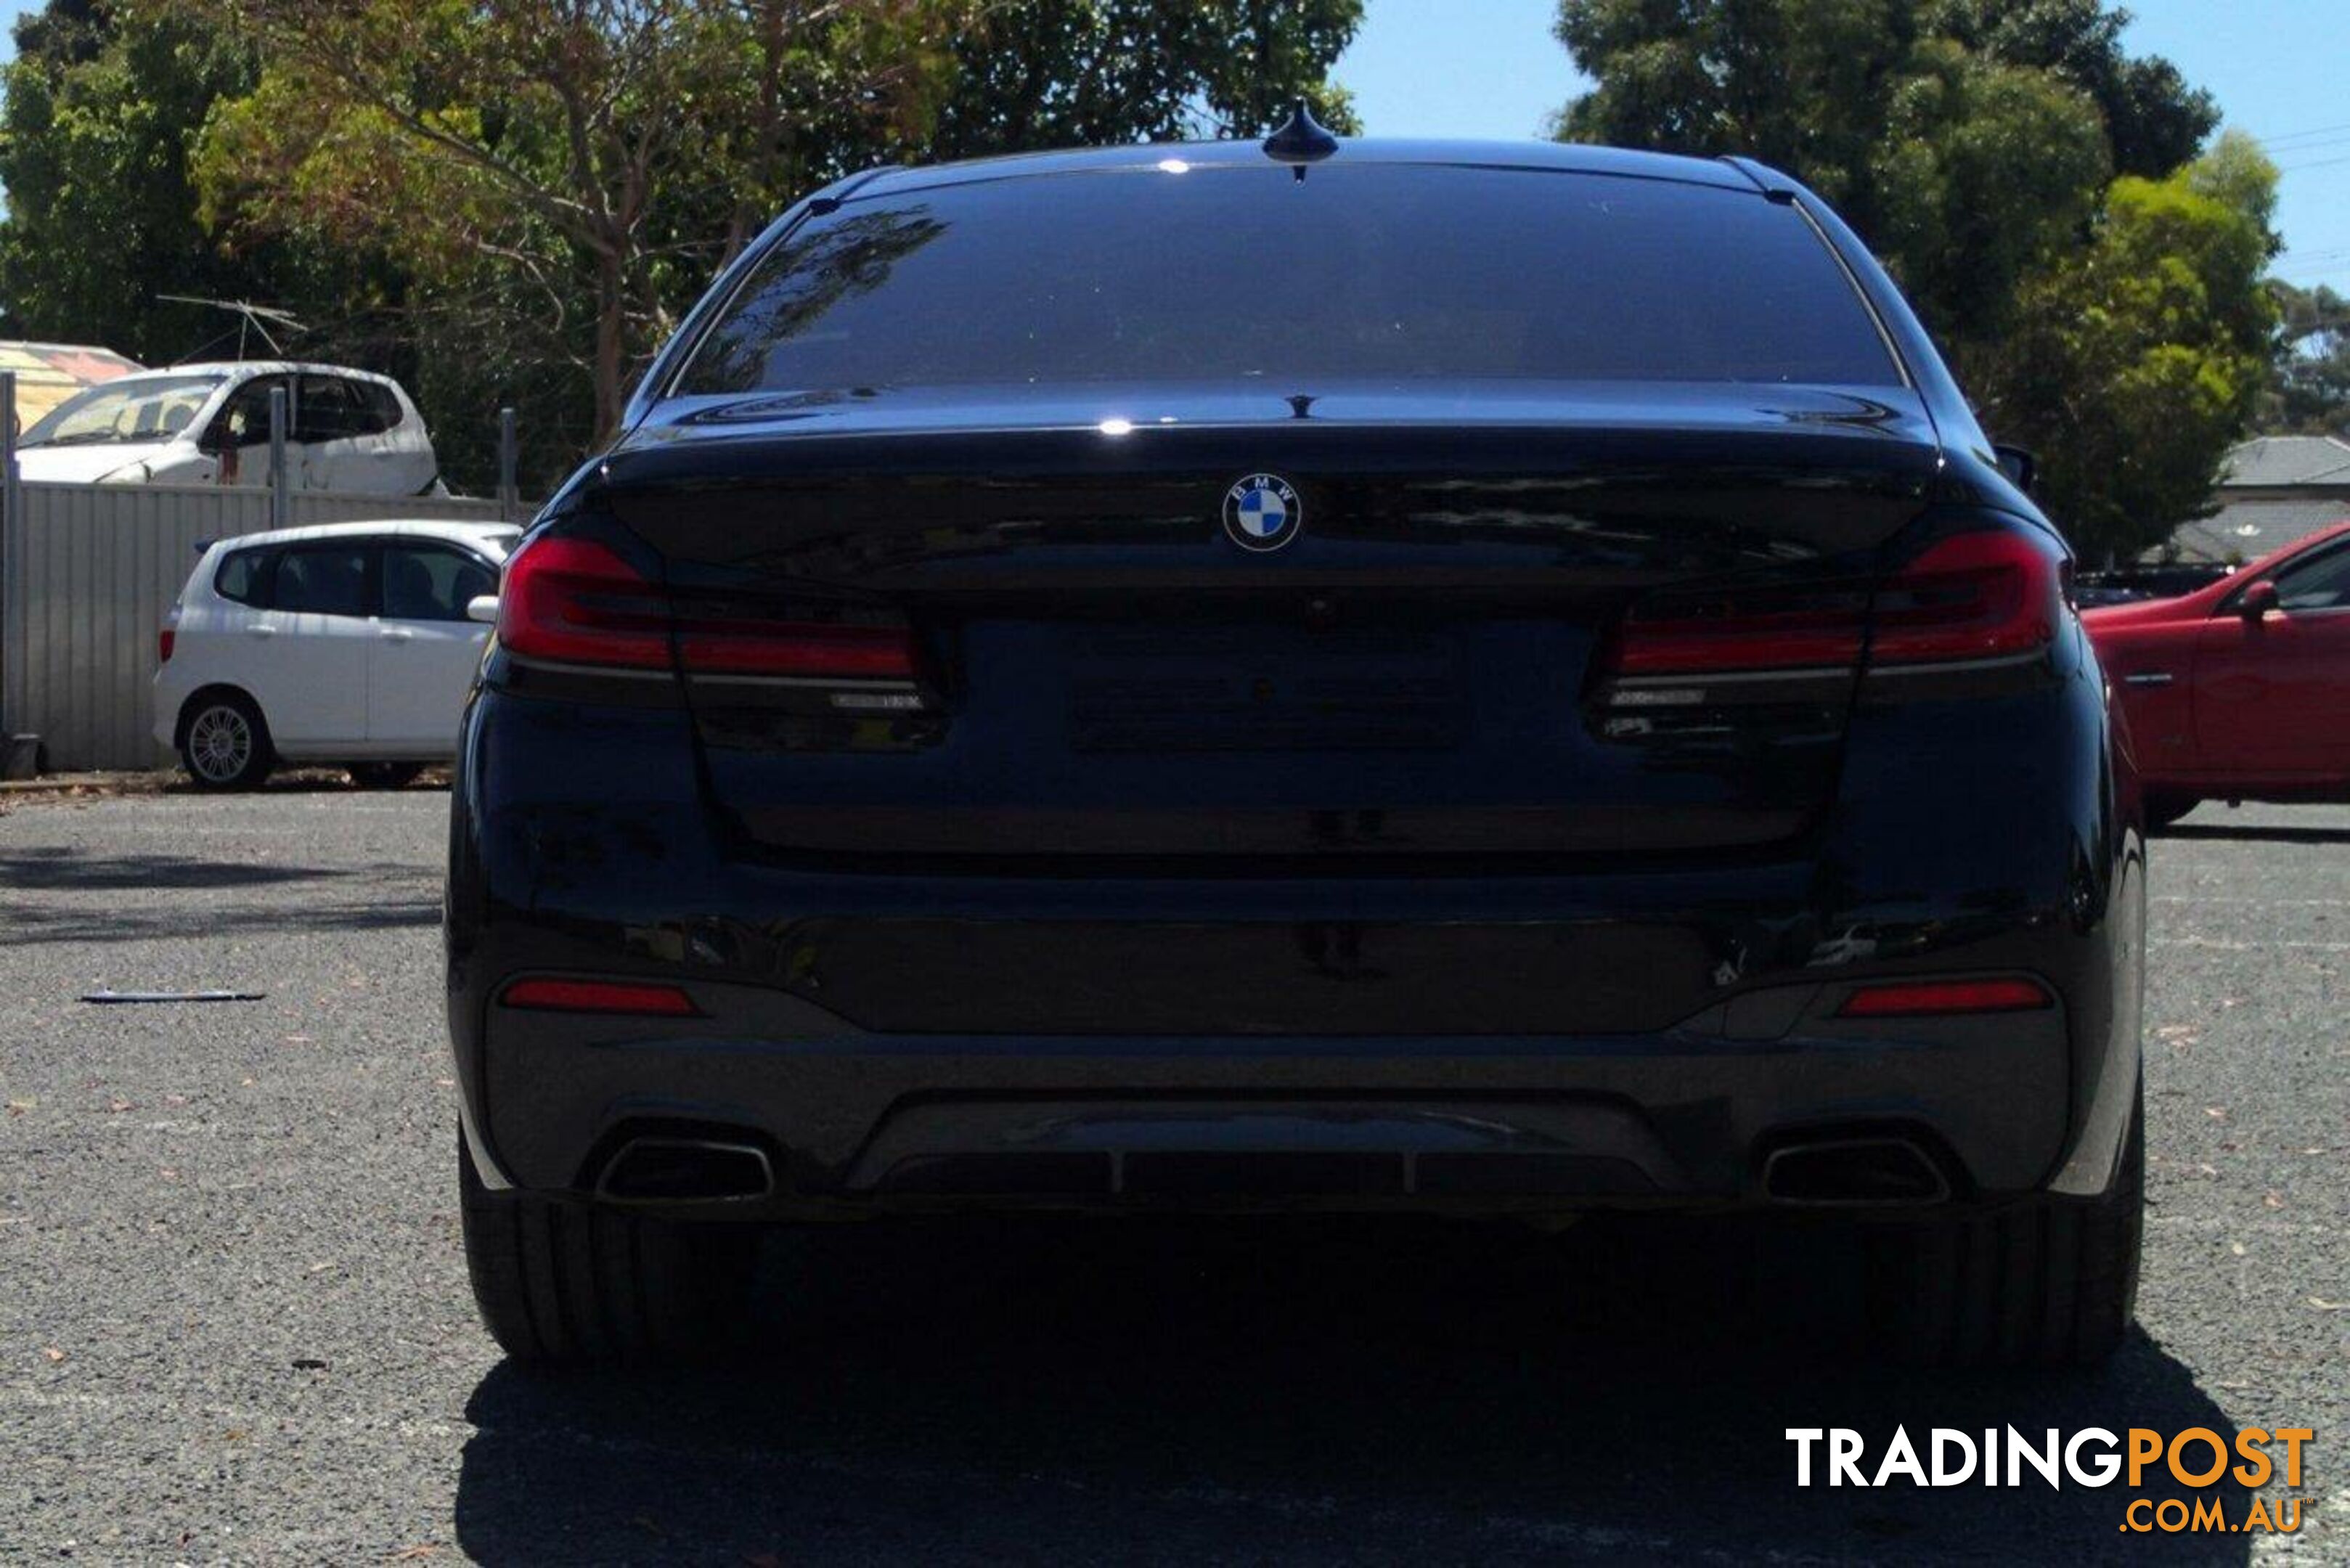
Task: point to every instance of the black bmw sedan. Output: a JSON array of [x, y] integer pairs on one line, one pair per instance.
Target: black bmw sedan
[[1312, 676]]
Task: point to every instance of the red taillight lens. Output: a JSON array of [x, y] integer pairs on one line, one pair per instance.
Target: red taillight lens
[[1911, 998], [1990, 594], [722, 645], [165, 641], [575, 601], [1763, 629], [599, 996], [1987, 594]]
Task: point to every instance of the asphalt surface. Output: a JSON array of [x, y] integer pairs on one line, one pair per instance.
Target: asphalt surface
[[235, 1324]]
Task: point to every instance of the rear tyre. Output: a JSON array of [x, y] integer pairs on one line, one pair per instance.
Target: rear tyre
[[225, 744], [2162, 810], [2052, 1283], [385, 775], [561, 1282]]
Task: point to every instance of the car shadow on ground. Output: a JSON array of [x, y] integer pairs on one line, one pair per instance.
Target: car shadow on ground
[[2254, 833], [1337, 1389], [59, 868], [338, 898]]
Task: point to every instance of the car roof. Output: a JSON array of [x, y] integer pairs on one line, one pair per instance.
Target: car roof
[[465, 530], [253, 367], [1560, 157]]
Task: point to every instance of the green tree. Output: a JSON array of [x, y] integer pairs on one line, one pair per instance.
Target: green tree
[[2154, 121], [1092, 73], [2138, 359], [1983, 168], [565, 174], [97, 111], [1975, 145], [2309, 391], [1803, 85], [590, 155]]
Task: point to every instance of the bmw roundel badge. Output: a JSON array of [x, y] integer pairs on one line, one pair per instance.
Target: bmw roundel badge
[[1263, 513]]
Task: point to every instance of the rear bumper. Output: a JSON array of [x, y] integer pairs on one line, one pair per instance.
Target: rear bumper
[[856, 1121], [1639, 1034]]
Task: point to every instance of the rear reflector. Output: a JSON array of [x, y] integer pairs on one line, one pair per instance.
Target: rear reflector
[[164, 641], [1910, 998], [599, 996], [576, 601]]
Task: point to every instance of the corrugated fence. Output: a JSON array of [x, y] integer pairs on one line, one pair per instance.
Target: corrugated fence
[[96, 567]]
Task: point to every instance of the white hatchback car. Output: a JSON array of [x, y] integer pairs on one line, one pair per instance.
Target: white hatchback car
[[348, 644], [347, 431]]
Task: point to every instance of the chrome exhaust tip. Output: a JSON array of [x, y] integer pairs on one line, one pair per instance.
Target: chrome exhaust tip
[[665, 1169], [1855, 1171]]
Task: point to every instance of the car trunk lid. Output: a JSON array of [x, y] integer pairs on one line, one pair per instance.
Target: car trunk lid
[[1102, 669]]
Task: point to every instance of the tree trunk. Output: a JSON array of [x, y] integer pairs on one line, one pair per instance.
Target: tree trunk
[[612, 329]]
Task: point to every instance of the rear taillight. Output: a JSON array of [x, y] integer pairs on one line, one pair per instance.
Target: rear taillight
[[575, 601], [1774, 628], [1987, 594], [1993, 593], [164, 639]]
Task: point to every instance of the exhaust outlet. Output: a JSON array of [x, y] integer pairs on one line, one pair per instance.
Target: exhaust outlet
[[671, 1169], [1846, 1172]]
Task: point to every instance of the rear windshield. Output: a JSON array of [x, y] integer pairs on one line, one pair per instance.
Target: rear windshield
[[1379, 272]]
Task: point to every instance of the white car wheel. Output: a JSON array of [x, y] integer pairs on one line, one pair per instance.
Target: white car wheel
[[225, 745]]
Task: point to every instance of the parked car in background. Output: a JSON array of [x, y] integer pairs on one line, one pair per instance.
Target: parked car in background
[[1542, 701], [347, 430], [2240, 690], [346, 644], [2130, 585]]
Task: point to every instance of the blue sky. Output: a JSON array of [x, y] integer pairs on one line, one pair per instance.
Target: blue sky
[[1489, 67]]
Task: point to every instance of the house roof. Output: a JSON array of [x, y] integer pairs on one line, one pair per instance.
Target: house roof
[[2268, 463], [49, 373], [2245, 530]]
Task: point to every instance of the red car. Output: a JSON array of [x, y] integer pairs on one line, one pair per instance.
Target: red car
[[2240, 690]]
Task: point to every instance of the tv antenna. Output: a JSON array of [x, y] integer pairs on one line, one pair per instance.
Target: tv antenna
[[251, 318]]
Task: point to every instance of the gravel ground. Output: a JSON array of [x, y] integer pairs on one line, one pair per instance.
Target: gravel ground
[[233, 1321]]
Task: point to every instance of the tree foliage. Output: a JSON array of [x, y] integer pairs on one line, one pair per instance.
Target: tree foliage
[[515, 199], [2310, 392], [592, 153], [99, 113], [2138, 359], [1089, 73], [2035, 189], [595, 161]]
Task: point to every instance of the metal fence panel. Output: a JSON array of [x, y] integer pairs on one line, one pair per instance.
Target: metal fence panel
[[96, 565]]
